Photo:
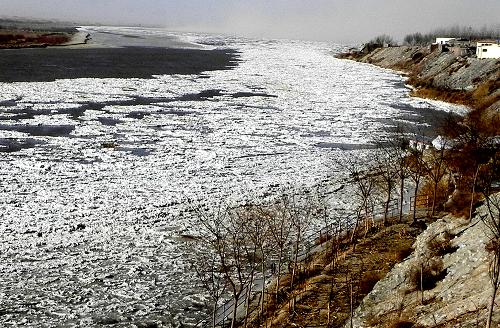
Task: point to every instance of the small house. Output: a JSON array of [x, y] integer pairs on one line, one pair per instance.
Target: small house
[[488, 49], [442, 41]]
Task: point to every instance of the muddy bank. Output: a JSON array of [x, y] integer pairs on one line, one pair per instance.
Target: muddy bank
[[37, 65]]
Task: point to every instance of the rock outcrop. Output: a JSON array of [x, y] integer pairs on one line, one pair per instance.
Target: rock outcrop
[[457, 294]]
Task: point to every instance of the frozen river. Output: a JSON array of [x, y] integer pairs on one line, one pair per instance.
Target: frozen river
[[94, 172]]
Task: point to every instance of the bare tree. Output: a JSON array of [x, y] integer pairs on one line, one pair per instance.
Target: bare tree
[[226, 237], [473, 149], [363, 180], [436, 172], [417, 168], [240, 261], [255, 220], [398, 148], [280, 232], [206, 265], [382, 40], [386, 171], [493, 222], [301, 212]]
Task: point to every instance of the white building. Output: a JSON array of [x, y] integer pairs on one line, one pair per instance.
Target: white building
[[488, 49], [444, 40]]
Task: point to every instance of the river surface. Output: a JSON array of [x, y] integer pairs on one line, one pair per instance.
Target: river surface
[[95, 172]]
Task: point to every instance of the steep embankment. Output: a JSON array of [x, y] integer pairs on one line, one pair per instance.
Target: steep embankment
[[453, 258], [443, 75]]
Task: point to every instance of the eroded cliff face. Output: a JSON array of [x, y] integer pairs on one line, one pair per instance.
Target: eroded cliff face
[[444, 75], [452, 256]]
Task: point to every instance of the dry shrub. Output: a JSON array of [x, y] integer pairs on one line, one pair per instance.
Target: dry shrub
[[484, 94], [429, 274], [441, 244], [490, 121], [323, 238], [402, 254], [493, 245], [460, 204], [425, 90], [441, 192], [368, 281], [401, 323]]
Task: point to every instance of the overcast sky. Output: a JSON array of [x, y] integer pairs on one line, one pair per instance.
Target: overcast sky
[[333, 20]]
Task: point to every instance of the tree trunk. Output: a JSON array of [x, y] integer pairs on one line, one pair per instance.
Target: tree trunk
[[353, 233], [473, 192], [236, 296], [492, 305], [494, 282], [214, 315], [263, 268], [417, 182], [278, 276], [295, 257], [434, 196], [421, 283], [351, 303], [386, 208], [247, 300], [401, 199]]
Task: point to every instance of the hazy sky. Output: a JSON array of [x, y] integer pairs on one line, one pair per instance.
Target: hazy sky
[[335, 20]]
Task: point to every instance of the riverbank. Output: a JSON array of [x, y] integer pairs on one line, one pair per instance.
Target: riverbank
[[19, 34], [441, 75], [18, 39]]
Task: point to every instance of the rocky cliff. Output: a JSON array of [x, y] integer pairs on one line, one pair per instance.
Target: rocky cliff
[[452, 256]]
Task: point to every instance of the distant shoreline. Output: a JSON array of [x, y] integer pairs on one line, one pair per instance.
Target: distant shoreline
[[67, 54], [20, 39]]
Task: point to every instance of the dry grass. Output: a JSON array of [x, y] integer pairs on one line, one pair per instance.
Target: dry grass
[[401, 323], [357, 271], [493, 245], [460, 206], [425, 276], [484, 96], [368, 281], [441, 245], [402, 254]]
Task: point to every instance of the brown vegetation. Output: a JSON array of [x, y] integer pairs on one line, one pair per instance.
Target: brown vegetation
[[329, 288], [426, 275], [401, 323], [441, 245], [10, 39]]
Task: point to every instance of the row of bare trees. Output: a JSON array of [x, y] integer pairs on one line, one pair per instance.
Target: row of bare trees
[[240, 241], [467, 32], [392, 165], [243, 242]]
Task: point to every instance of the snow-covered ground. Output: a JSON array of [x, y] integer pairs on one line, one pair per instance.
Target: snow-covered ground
[[92, 203]]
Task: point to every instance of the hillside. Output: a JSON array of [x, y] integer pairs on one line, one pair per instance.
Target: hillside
[[456, 294], [441, 75]]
